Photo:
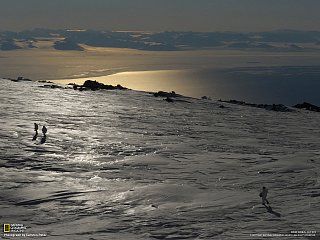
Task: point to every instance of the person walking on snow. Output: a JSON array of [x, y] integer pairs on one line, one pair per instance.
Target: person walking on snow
[[263, 195], [36, 130], [44, 130]]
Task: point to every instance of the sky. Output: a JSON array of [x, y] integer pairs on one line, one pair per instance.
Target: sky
[[161, 15]]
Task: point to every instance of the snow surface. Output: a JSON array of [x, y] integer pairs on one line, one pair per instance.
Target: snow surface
[[127, 165]]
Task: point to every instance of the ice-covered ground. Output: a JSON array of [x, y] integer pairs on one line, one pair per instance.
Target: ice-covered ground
[[127, 165]]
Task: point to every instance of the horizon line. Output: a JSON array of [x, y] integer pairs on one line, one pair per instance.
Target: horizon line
[[155, 31]]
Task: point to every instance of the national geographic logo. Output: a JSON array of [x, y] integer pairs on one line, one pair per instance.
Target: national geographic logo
[[11, 230], [14, 228], [6, 228]]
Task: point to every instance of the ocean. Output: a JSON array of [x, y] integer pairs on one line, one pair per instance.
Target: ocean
[[259, 84], [252, 76]]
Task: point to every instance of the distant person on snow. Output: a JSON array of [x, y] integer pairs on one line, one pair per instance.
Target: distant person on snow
[[36, 130], [263, 195], [44, 130]]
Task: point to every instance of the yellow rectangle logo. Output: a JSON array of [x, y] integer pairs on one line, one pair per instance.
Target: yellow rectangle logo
[[6, 228]]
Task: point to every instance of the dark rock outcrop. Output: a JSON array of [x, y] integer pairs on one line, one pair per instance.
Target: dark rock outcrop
[[44, 81], [307, 106], [205, 98], [53, 86], [270, 107], [166, 94], [168, 99], [94, 85], [19, 79]]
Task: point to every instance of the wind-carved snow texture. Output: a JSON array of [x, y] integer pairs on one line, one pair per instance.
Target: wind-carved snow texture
[[127, 165]]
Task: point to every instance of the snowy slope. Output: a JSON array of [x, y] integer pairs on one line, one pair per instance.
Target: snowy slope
[[127, 165]]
